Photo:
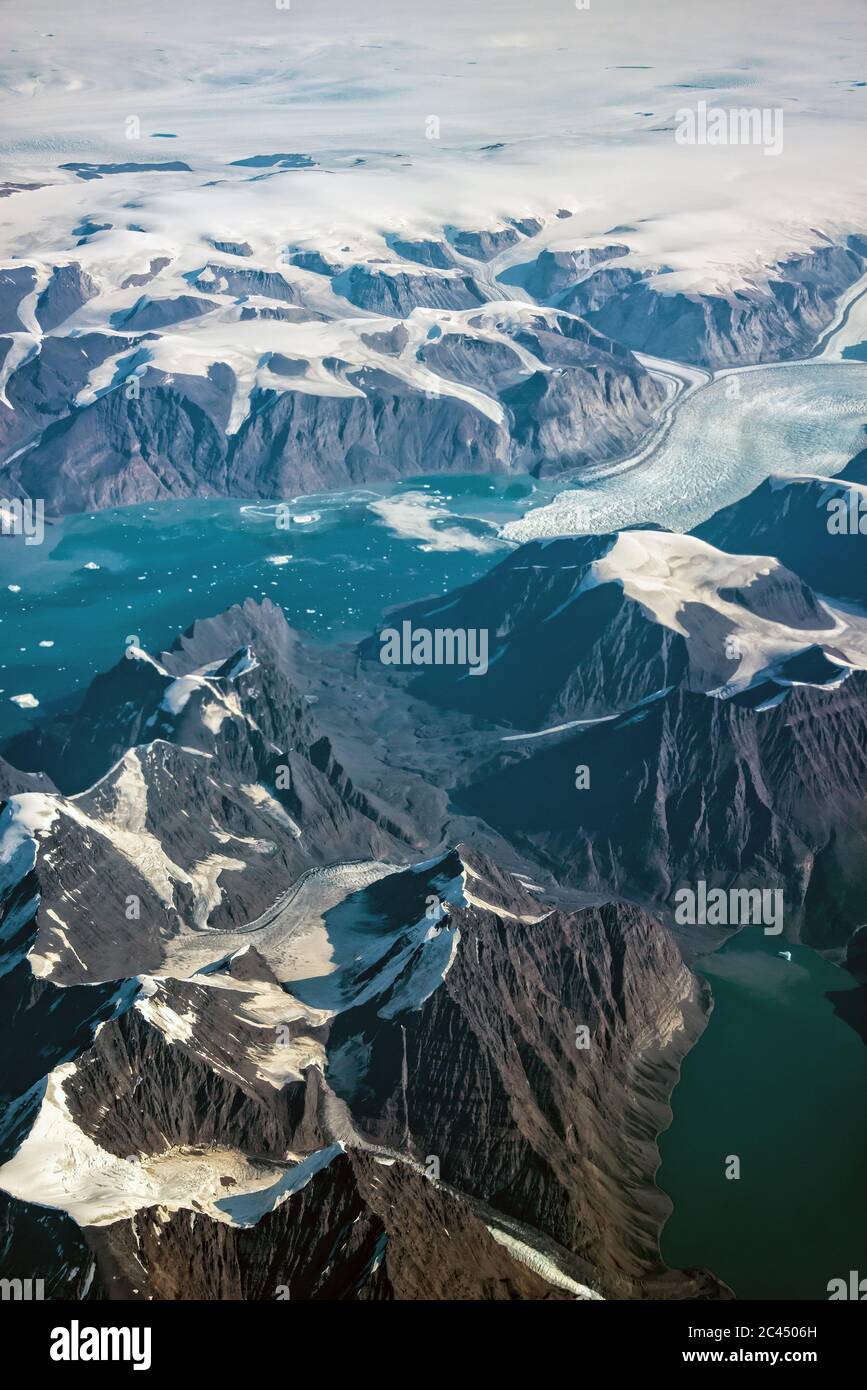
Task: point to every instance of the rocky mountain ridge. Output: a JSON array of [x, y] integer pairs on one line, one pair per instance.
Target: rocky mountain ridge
[[226, 377], [311, 1052]]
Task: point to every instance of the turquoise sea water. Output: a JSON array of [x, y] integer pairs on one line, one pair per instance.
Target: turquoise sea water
[[151, 570]]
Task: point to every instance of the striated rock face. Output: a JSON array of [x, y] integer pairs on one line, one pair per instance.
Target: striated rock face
[[206, 738], [786, 810], [587, 400], [180, 1070], [576, 629], [313, 261], [491, 365], [560, 645], [397, 292], [115, 452], [66, 291], [351, 1081], [773, 321], [40, 391], [473, 360], [488, 1074], [705, 695], [793, 518], [423, 252], [386, 432], [42, 1026], [359, 1230], [552, 272], [235, 280], [307, 1064], [233, 248], [39, 1244], [284, 313], [594, 290], [482, 245], [776, 318], [464, 1142], [609, 404], [445, 382]]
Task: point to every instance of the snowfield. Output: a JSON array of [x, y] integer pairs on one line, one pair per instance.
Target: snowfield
[[528, 121]]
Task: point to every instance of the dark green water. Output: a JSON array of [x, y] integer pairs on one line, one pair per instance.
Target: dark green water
[[780, 1081]]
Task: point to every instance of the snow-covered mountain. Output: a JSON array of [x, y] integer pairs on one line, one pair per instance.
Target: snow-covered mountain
[[230, 374], [190, 307], [276, 995], [207, 1069], [813, 523], [226, 378], [585, 628], [327, 979]]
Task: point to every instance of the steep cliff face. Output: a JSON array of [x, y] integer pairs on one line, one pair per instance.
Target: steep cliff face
[[777, 318], [453, 352], [296, 441], [169, 442], [39, 392], [464, 1081], [13, 780], [42, 1026], [482, 244], [148, 314], [307, 1058], [559, 646], [568, 418], [141, 848], [584, 628], [68, 288], [537, 1074], [656, 712], [195, 1065], [786, 811], [363, 1228], [567, 396], [40, 1244], [124, 414], [422, 251], [812, 523], [552, 272], [397, 292], [476, 1124]]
